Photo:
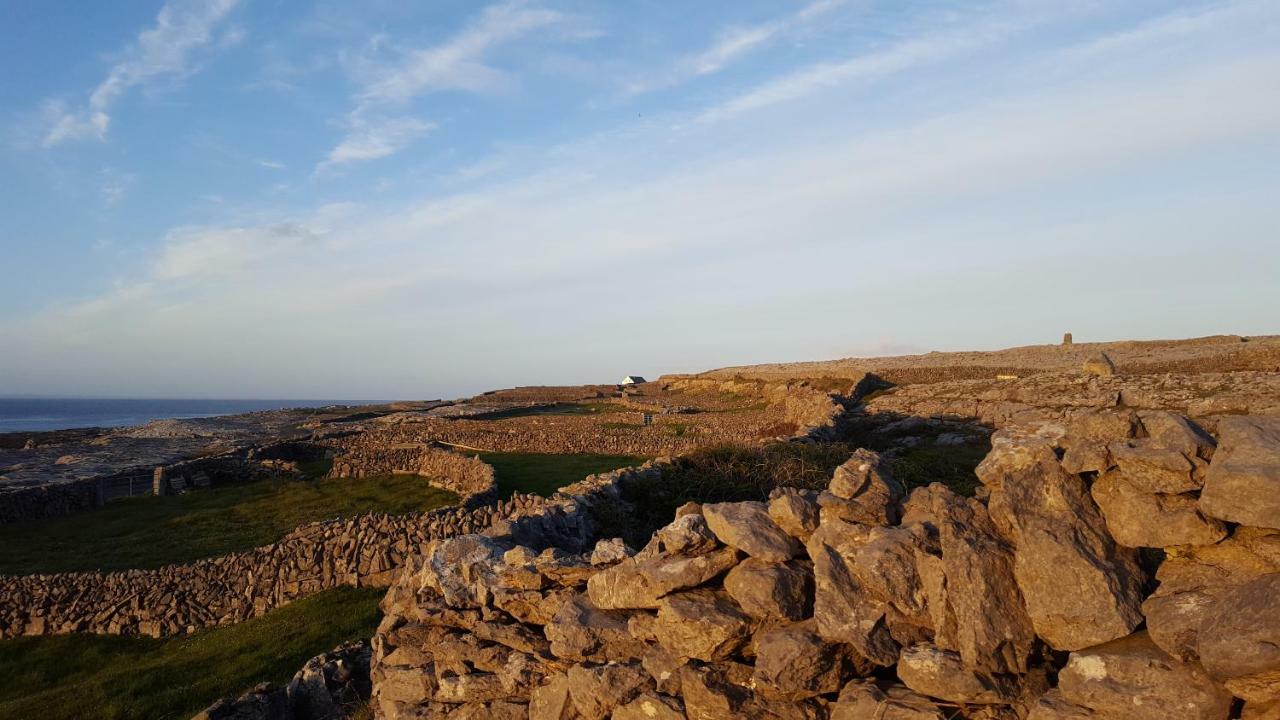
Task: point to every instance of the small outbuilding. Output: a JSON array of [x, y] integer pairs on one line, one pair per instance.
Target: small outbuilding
[[632, 380]]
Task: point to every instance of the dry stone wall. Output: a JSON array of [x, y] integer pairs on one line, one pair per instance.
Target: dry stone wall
[[363, 456], [367, 550], [1031, 601]]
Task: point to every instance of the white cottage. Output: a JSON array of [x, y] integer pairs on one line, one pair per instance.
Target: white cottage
[[632, 380]]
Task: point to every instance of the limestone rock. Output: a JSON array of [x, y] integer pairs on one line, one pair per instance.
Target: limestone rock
[[608, 552], [551, 701], [688, 534], [1099, 365], [973, 597], [640, 583], [1240, 640], [1080, 588], [870, 493], [1242, 484], [581, 631], [792, 662], [650, 706], [795, 511], [941, 674], [701, 624], [843, 609], [1132, 678], [1143, 519], [1155, 468], [1052, 706], [864, 700], [597, 690], [716, 692], [771, 591], [748, 527]]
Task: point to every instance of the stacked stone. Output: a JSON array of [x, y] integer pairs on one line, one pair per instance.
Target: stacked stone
[[857, 603], [45, 501], [1206, 397], [364, 551]]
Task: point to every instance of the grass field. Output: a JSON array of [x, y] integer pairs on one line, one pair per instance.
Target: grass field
[[542, 474], [100, 677], [149, 532]]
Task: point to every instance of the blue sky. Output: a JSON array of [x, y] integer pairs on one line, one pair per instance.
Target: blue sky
[[241, 198]]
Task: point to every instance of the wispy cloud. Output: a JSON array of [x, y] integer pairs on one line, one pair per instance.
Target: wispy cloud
[[204, 252], [271, 164], [921, 50], [732, 44], [370, 140], [164, 50], [458, 63], [116, 186]]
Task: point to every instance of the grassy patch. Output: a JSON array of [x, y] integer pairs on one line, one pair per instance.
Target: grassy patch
[[732, 473], [101, 677], [148, 532], [560, 408], [542, 474], [951, 465]]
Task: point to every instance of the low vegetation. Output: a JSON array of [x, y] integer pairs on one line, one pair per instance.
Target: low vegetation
[[732, 473], [542, 473], [148, 532], [101, 677], [560, 408]]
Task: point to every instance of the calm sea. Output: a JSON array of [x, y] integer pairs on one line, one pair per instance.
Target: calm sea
[[25, 414]]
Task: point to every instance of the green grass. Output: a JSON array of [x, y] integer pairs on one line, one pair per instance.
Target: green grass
[[542, 474], [149, 532], [560, 408], [951, 465], [101, 677]]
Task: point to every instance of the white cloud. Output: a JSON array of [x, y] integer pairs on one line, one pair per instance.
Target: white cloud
[[182, 27], [732, 44], [197, 253], [272, 164], [905, 55], [458, 63], [370, 140]]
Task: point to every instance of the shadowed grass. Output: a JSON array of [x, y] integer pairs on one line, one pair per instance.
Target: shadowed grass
[[148, 532], [542, 474], [101, 677]]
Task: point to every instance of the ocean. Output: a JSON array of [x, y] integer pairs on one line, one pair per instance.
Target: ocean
[[27, 414]]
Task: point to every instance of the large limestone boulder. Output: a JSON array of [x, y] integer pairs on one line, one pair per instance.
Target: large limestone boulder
[[793, 663], [1132, 678], [701, 624], [1242, 484], [581, 631], [597, 690], [1081, 589], [641, 582], [844, 610], [1192, 579], [972, 595], [1239, 641], [1137, 518], [939, 673], [748, 527], [771, 591]]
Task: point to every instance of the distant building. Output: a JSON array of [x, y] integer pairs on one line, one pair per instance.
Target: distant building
[[632, 380]]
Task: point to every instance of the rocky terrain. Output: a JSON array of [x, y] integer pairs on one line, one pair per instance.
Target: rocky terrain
[[1114, 554], [1120, 564]]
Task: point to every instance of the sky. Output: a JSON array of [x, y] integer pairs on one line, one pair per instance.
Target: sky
[[266, 198]]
